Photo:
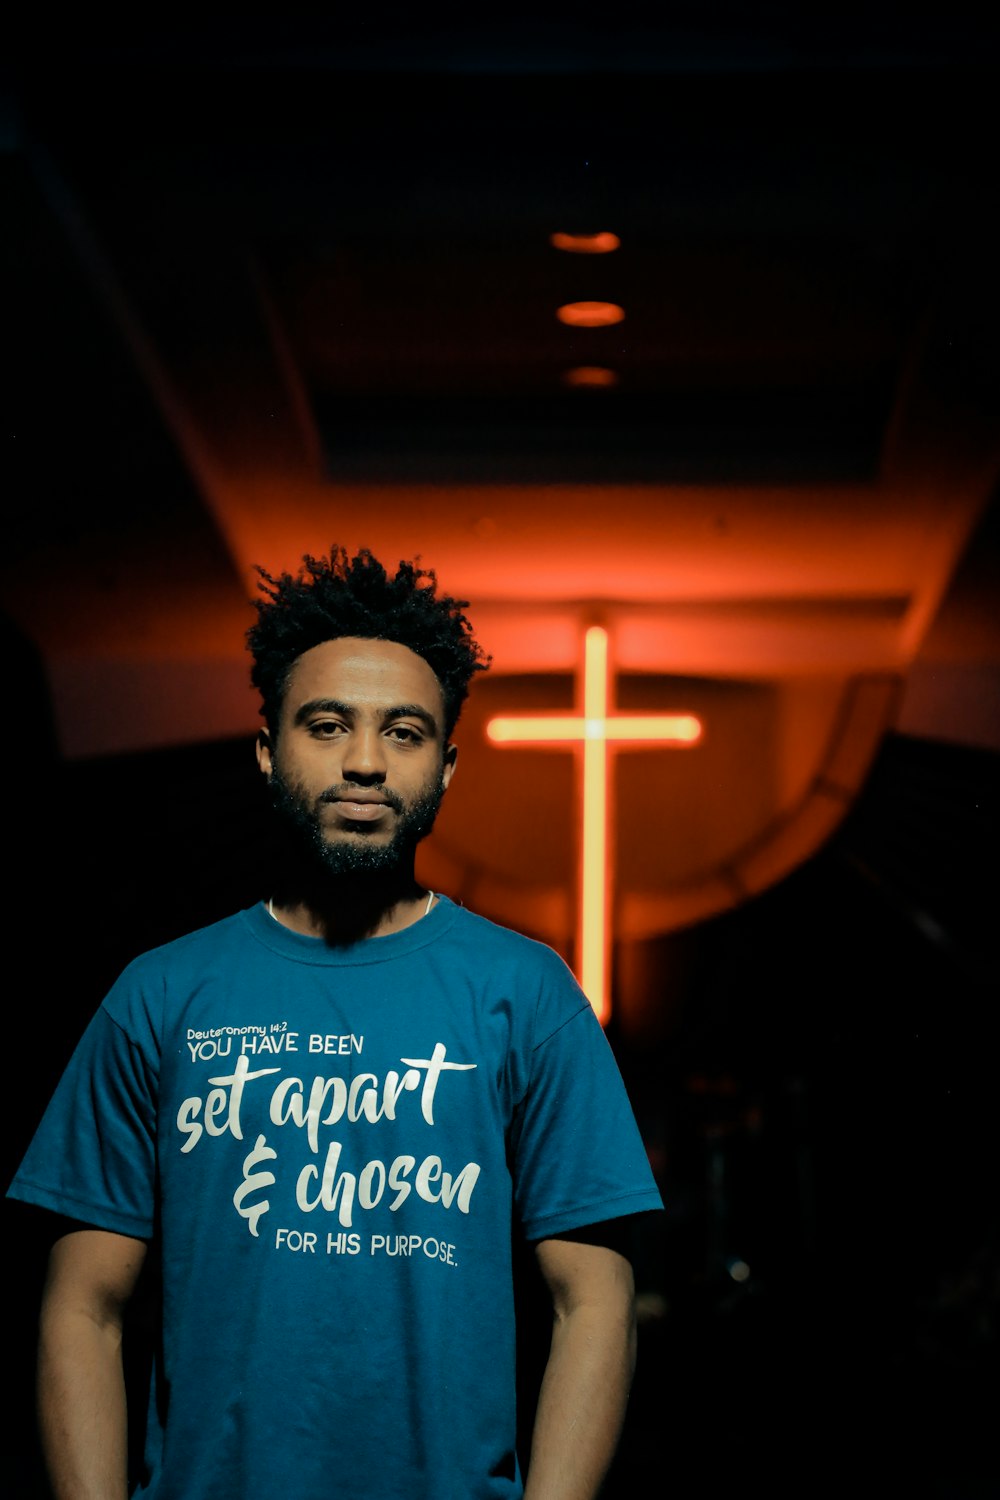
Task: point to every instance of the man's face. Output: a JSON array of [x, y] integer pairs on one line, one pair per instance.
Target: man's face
[[360, 765]]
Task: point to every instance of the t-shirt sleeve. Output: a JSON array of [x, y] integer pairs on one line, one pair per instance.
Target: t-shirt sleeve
[[577, 1155], [93, 1156]]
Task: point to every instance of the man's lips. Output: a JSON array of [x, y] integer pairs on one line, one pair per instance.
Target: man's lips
[[361, 812], [361, 806]]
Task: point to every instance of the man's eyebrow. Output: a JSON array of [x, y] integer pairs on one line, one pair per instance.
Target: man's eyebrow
[[413, 711], [322, 706], [348, 711]]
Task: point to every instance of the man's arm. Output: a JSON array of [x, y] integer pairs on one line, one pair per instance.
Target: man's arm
[[81, 1384], [581, 1405]]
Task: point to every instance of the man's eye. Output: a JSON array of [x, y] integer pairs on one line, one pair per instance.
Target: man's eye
[[405, 734], [324, 729]]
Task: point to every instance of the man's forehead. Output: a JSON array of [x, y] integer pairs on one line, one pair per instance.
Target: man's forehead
[[371, 668]]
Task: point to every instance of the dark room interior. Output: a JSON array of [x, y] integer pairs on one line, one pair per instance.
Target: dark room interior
[[272, 285]]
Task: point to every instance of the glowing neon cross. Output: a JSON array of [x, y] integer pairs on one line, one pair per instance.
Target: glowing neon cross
[[595, 728]]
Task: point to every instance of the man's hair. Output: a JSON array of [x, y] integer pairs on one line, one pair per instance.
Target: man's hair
[[339, 596]]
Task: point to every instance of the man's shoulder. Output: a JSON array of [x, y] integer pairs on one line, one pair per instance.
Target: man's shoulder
[[190, 947], [494, 941]]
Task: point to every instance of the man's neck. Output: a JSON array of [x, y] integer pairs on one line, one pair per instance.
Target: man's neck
[[348, 908]]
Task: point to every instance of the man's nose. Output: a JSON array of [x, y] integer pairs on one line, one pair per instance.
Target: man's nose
[[364, 762]]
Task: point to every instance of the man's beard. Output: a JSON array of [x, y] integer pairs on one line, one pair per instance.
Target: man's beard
[[354, 853]]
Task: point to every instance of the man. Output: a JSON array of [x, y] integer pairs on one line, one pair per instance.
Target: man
[[326, 1116]]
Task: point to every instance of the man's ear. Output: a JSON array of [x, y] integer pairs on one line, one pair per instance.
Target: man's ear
[[448, 769], [264, 753]]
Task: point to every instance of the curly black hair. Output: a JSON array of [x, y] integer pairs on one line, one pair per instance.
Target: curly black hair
[[340, 596]]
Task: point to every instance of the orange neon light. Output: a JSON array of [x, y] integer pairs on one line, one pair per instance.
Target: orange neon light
[[590, 314], [594, 907], [673, 729], [591, 375], [586, 244], [595, 728]]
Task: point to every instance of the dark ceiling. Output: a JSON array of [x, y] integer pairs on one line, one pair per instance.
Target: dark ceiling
[[793, 205], [319, 251]]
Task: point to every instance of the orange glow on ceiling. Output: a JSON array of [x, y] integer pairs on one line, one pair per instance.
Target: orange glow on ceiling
[[590, 375], [586, 244], [595, 728], [590, 314]]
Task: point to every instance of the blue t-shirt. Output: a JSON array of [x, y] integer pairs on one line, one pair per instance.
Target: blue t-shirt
[[332, 1146]]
